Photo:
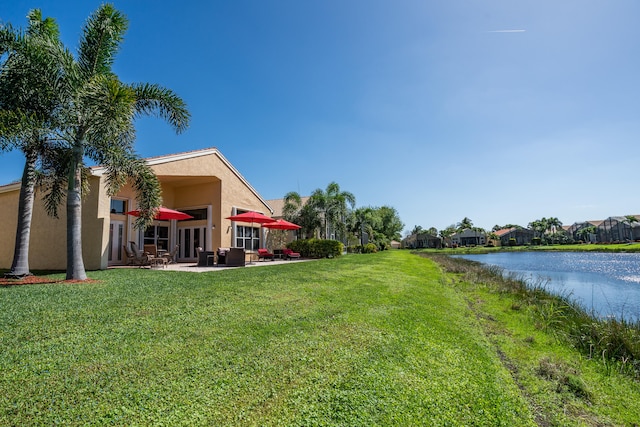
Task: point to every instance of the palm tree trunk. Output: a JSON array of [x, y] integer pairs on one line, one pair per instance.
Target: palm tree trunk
[[20, 265], [75, 263]]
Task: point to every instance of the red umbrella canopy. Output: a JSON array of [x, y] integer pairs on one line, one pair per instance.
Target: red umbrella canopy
[[251, 217], [282, 224], [164, 214]]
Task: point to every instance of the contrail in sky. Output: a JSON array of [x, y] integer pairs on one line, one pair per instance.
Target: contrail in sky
[[507, 31]]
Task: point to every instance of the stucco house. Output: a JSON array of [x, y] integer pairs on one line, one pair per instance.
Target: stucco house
[[202, 183], [469, 237], [422, 240], [618, 229], [522, 236], [575, 231]]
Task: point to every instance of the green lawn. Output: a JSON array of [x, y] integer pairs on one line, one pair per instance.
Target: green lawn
[[361, 340]]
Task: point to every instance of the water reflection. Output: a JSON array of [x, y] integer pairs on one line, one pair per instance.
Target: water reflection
[[606, 284]]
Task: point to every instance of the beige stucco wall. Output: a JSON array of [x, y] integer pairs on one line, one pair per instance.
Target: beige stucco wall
[[48, 242], [9, 221], [208, 180]]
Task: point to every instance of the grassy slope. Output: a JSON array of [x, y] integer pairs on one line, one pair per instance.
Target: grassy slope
[[360, 340], [565, 388]]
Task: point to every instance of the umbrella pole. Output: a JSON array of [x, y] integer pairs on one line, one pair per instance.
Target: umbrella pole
[[251, 252]]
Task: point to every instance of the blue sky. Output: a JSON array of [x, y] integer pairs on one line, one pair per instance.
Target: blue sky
[[500, 111]]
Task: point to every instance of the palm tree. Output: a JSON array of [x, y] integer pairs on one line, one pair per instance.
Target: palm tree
[[27, 114], [331, 204], [464, 224], [553, 224], [539, 226], [446, 233], [417, 229], [292, 206], [585, 232], [300, 213], [309, 220], [98, 113], [363, 220]]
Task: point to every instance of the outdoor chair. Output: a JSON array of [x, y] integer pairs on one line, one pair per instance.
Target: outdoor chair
[[231, 257], [131, 257], [140, 258], [289, 254], [205, 258], [151, 250], [264, 254], [222, 256], [171, 256], [235, 257]]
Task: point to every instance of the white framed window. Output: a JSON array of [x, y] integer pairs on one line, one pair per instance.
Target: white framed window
[[156, 235], [248, 237]]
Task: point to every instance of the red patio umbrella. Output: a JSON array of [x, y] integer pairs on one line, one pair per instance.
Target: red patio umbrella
[[251, 217], [164, 214], [281, 224]]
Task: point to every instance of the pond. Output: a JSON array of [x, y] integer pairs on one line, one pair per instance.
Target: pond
[[606, 284]]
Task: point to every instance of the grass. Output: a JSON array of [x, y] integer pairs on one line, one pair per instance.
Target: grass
[[361, 340], [541, 337]]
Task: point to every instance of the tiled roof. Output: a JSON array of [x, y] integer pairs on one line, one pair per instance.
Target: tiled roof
[[503, 231]]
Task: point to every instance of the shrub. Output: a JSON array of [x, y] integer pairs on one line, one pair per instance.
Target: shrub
[[317, 248], [512, 241], [369, 248], [536, 241]]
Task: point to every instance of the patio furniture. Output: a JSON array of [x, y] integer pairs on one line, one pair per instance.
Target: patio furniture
[[264, 254], [157, 261], [151, 250], [206, 258], [231, 257], [289, 254], [141, 259], [222, 255], [171, 256], [131, 257]]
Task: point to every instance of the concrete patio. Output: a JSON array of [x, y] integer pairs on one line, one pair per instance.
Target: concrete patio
[[193, 267]]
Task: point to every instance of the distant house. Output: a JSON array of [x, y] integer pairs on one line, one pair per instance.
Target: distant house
[[521, 236], [422, 240], [469, 237], [618, 229], [574, 231]]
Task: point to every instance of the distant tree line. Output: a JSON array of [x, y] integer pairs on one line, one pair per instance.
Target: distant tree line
[[332, 214]]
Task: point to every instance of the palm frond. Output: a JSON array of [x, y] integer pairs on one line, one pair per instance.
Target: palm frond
[[108, 107], [53, 180], [154, 100], [102, 35]]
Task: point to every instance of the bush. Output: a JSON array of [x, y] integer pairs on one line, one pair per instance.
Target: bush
[[369, 248], [536, 241], [512, 241], [317, 248]]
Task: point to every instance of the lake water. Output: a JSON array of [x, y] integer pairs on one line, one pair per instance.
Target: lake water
[[607, 284]]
